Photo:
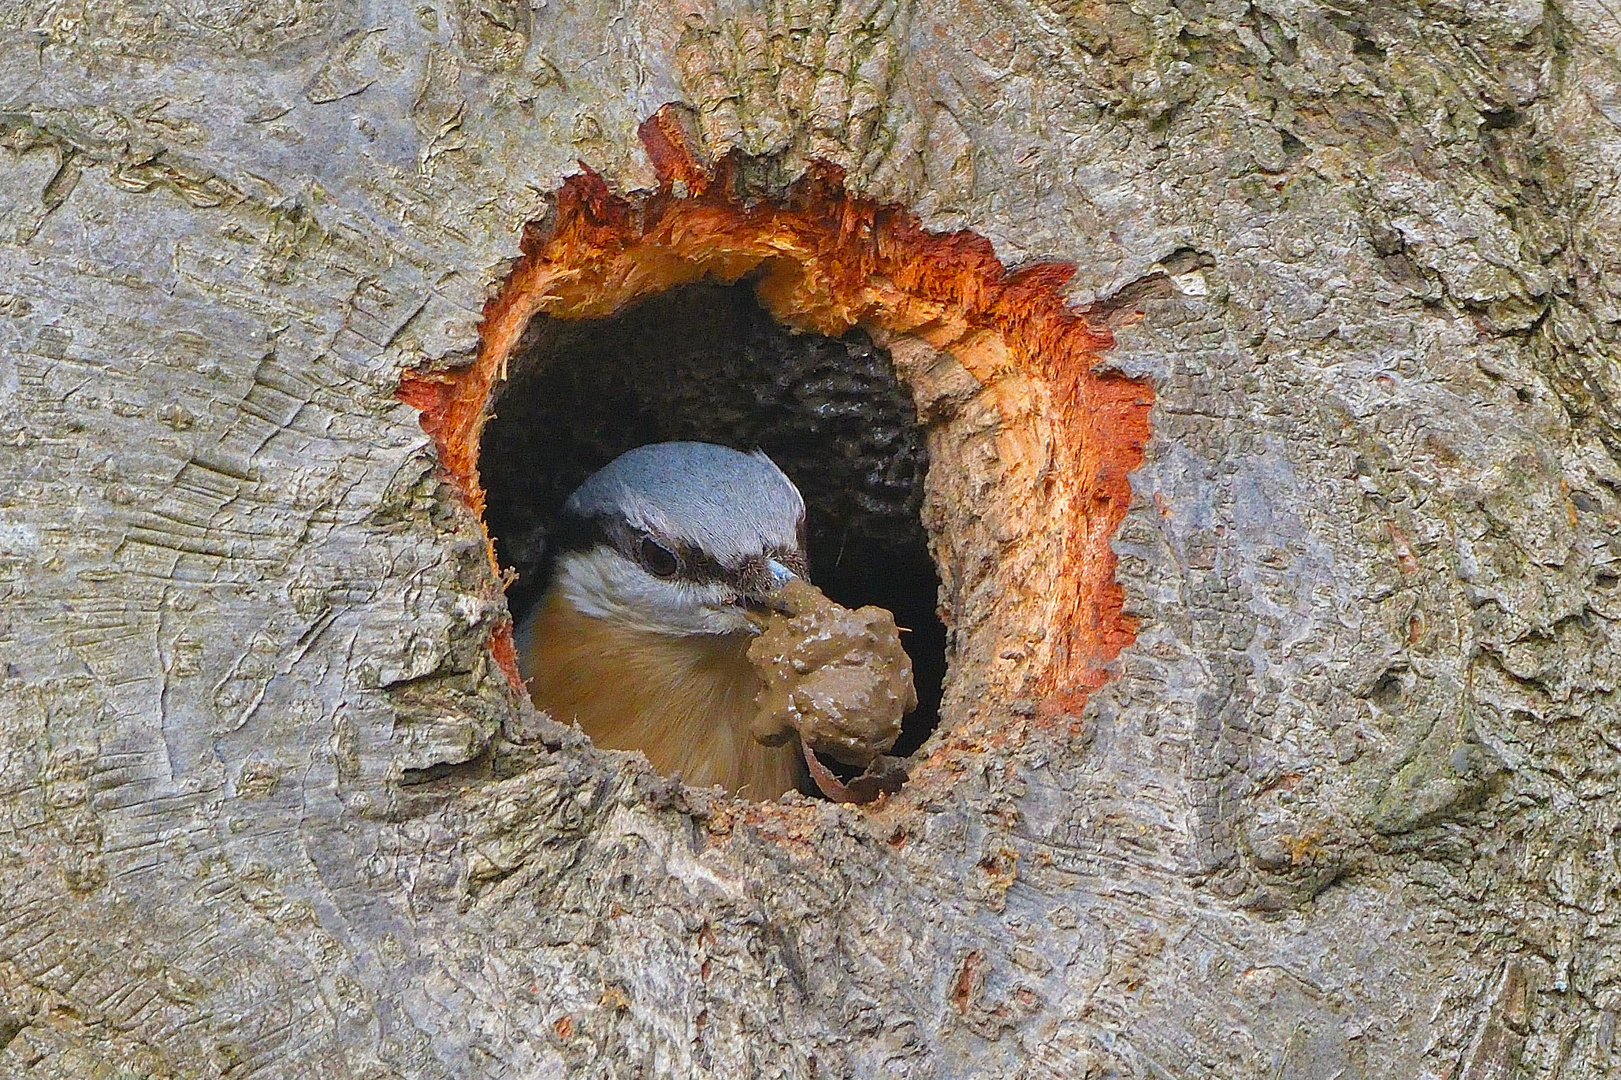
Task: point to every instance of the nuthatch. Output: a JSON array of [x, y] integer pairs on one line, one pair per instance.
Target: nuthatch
[[642, 635]]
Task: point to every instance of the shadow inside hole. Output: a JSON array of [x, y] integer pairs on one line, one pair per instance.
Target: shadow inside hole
[[706, 362]]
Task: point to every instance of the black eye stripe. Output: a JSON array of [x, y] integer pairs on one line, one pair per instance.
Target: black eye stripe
[[653, 553], [660, 557]]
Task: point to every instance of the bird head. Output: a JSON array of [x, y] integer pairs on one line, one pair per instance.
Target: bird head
[[680, 538]]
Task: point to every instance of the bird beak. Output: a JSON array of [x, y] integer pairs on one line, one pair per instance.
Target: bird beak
[[767, 595], [780, 576]]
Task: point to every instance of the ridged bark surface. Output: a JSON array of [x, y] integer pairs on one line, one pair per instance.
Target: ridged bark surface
[[270, 808]]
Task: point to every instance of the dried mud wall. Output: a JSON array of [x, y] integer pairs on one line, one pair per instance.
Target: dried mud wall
[[1325, 786]]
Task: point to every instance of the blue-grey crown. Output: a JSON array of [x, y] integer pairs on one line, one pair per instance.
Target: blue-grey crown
[[724, 502]]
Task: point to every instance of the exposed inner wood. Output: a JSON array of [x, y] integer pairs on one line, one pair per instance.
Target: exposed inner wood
[[1031, 446]]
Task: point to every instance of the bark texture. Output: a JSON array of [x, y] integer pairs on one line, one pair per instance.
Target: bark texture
[[269, 808]]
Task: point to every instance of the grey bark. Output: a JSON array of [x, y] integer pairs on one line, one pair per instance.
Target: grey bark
[[1348, 809]]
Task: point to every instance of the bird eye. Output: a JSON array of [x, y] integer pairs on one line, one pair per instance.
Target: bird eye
[[659, 560]]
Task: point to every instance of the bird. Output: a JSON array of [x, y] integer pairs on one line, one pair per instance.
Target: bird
[[641, 635]]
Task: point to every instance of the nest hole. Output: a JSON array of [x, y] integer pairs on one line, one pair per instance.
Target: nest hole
[[630, 319], [707, 362]]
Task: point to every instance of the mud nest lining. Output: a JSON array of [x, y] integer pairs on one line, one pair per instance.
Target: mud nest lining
[[705, 362]]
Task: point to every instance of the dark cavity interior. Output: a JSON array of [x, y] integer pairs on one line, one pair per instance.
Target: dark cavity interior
[[706, 362]]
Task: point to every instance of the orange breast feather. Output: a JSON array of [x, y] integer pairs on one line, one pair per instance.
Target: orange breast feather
[[685, 702]]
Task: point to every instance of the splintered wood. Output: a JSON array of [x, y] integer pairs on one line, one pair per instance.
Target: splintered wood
[[1030, 445], [837, 678]]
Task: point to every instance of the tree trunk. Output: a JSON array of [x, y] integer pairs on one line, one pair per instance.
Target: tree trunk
[[1345, 806]]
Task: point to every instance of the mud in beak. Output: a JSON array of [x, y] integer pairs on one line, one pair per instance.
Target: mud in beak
[[765, 588]]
